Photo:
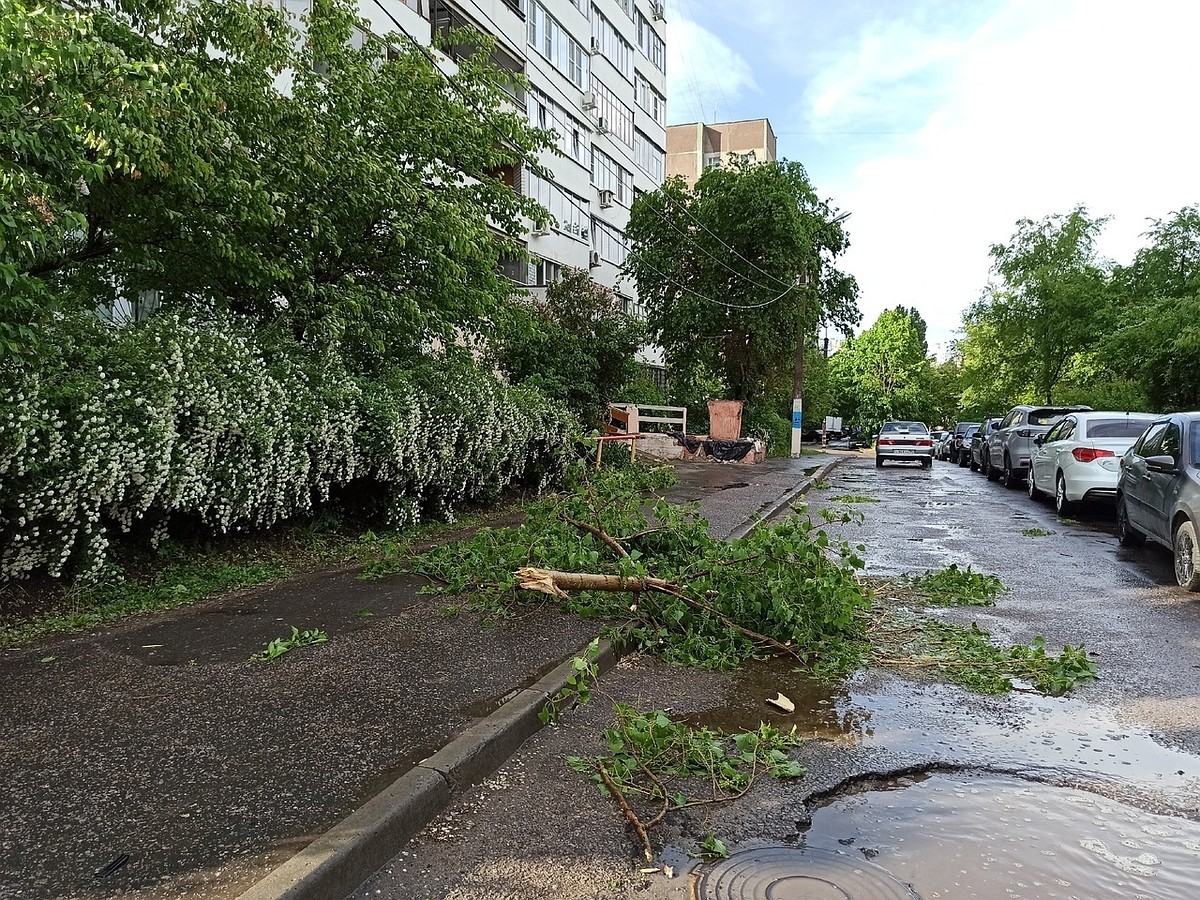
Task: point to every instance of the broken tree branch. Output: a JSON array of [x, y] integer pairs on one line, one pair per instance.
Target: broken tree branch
[[599, 534], [630, 815]]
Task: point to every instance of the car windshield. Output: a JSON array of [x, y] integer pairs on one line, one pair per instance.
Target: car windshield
[[1125, 427], [904, 428], [1045, 416], [970, 431]]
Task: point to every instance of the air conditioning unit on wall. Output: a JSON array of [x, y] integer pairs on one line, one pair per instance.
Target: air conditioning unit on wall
[[606, 199], [601, 125], [594, 259], [588, 101], [594, 47], [658, 12], [540, 230]]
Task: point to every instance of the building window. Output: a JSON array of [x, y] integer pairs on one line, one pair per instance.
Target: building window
[[552, 41], [614, 47], [712, 161], [549, 115], [651, 44], [567, 210], [650, 100], [649, 158], [609, 175], [608, 243], [618, 118], [546, 273]]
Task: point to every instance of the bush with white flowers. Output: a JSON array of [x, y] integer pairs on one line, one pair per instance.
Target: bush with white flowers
[[203, 421]]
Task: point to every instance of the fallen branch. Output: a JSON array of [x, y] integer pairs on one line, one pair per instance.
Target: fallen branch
[[630, 815], [599, 534], [557, 584]]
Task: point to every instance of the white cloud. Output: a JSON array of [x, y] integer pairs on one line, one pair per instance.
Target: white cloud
[[1045, 106], [705, 77]]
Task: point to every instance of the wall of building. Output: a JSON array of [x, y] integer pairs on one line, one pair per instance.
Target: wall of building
[[694, 147]]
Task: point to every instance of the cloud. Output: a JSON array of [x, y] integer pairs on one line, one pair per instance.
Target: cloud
[[1043, 106], [705, 77]]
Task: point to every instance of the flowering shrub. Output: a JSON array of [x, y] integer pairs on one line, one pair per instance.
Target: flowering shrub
[[205, 421]]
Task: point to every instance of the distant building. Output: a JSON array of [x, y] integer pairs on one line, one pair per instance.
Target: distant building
[[695, 147]]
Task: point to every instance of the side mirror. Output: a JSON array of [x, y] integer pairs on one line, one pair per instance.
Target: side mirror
[[1160, 463], [1040, 439]]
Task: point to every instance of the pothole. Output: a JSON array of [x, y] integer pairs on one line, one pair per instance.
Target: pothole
[[799, 873]]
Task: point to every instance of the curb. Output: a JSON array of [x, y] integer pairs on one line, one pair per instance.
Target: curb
[[341, 859], [772, 509]]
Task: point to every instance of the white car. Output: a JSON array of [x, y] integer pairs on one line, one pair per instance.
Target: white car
[[1080, 457]]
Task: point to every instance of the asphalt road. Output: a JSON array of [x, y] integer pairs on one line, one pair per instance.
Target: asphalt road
[[1121, 756]]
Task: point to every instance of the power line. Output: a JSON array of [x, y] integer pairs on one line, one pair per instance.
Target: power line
[[715, 237]]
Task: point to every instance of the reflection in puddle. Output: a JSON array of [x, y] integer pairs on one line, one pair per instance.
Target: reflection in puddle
[[988, 836]]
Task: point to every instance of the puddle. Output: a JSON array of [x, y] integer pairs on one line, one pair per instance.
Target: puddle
[[1052, 738], [991, 836]]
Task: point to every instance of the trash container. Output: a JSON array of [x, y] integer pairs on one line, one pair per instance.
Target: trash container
[[724, 420]]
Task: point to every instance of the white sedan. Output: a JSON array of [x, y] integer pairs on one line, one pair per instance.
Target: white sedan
[[1080, 457]]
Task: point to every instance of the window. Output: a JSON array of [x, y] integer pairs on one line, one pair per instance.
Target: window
[[567, 210], [551, 40], [650, 100], [608, 175], [627, 7], [1125, 427], [548, 114], [712, 161], [1151, 442], [1171, 443], [618, 118], [614, 47], [651, 44], [608, 242], [649, 158], [546, 273]]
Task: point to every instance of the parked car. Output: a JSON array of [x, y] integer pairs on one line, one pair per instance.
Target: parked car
[[939, 443], [909, 441], [960, 442], [1010, 447], [1079, 458], [977, 451], [1158, 494]]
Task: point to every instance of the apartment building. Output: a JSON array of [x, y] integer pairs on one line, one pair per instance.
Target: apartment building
[[597, 74], [694, 147]]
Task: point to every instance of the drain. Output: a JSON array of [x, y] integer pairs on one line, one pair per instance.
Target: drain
[[799, 873]]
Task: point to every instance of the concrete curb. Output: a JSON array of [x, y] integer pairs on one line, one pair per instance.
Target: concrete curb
[[771, 509], [346, 855]]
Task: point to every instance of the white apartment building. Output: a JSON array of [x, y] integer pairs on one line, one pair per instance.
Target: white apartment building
[[597, 70]]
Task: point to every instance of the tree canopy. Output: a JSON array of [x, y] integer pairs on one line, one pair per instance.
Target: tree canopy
[[735, 270], [883, 373], [218, 156]]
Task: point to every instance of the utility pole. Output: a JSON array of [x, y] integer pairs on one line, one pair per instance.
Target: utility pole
[[798, 371]]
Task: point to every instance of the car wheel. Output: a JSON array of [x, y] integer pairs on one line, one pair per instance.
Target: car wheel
[[972, 465], [1061, 503], [989, 471], [1186, 571], [1007, 478], [1127, 535], [879, 462], [1034, 493], [927, 463]]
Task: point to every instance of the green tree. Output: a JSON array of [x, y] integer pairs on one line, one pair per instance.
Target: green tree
[[919, 324], [148, 146], [1050, 301], [578, 346], [883, 373], [735, 270], [1157, 342]]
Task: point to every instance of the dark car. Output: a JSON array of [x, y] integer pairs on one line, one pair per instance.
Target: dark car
[[1158, 494], [959, 450], [977, 453]]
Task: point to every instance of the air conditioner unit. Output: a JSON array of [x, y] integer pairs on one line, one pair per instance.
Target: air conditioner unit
[[658, 12], [540, 230], [589, 101], [594, 259], [594, 46], [606, 199], [601, 125]]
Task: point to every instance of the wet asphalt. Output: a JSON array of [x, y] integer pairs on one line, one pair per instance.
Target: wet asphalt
[[944, 793]]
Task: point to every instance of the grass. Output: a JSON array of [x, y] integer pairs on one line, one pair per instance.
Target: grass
[[855, 498], [180, 574], [1036, 532]]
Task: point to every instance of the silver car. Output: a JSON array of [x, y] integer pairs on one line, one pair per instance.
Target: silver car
[[1158, 495], [1010, 447], [1079, 458], [909, 441]]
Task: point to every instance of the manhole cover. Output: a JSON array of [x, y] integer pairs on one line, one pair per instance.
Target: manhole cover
[[792, 873]]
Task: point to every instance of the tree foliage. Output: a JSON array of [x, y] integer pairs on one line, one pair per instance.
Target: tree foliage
[[578, 346], [229, 158], [883, 373], [735, 270]]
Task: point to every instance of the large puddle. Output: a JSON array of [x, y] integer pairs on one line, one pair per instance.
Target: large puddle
[[995, 837]]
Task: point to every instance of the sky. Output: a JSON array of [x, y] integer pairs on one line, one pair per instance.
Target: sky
[[937, 124]]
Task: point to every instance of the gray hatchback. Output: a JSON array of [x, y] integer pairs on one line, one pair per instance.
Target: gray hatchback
[[1158, 495]]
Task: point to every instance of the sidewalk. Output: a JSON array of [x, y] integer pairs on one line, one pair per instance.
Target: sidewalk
[[156, 746]]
